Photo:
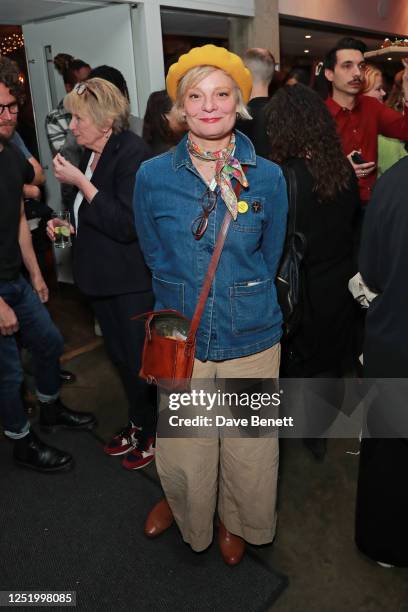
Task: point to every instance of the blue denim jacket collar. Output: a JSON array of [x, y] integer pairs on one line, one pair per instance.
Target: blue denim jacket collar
[[244, 152]]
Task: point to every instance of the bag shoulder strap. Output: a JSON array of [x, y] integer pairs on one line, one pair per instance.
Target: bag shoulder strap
[[291, 182], [209, 277]]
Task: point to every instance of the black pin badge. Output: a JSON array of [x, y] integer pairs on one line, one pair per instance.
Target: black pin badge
[[256, 207]]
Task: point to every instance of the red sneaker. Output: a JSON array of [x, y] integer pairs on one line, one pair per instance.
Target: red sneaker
[[124, 441], [140, 456]]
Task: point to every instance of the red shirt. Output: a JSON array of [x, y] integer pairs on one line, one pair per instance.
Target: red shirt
[[359, 129]]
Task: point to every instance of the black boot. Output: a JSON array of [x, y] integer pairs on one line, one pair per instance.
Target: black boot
[[67, 377], [32, 453], [55, 415]]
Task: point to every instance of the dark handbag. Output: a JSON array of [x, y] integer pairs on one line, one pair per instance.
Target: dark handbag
[[170, 341], [289, 278]]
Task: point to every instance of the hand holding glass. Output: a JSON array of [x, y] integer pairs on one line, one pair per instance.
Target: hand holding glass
[[60, 230]]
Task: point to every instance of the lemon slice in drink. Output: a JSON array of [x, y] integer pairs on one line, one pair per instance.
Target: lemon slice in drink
[[64, 230]]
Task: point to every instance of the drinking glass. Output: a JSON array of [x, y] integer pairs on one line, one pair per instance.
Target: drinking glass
[[62, 230]]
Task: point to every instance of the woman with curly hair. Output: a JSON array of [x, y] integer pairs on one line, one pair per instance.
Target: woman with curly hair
[[303, 137]]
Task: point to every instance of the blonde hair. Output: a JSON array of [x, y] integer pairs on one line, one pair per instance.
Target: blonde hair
[[193, 77], [370, 74], [101, 101]]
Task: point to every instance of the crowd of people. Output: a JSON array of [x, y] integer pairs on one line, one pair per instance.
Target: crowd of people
[[143, 195]]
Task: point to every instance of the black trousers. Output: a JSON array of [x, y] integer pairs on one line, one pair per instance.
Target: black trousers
[[124, 340], [382, 500]]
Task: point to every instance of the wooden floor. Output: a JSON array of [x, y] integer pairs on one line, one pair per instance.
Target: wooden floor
[[73, 316]]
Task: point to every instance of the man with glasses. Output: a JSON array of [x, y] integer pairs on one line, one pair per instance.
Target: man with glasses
[[360, 119], [21, 307]]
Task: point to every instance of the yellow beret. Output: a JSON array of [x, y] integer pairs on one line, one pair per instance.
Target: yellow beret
[[210, 55]]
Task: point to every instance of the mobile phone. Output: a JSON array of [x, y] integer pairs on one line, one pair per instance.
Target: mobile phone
[[357, 159]]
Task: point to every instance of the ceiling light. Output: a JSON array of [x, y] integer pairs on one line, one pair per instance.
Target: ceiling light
[[306, 50], [308, 36], [389, 59]]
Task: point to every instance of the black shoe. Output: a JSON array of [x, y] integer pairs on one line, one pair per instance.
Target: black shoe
[[55, 415], [32, 453], [67, 377], [317, 446]]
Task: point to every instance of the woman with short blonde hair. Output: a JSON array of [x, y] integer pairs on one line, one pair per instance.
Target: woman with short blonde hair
[[181, 199], [194, 76], [101, 101], [108, 265]]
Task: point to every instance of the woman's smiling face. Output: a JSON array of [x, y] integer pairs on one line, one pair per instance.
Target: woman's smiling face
[[211, 105]]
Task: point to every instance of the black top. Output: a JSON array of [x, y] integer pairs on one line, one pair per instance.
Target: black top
[[159, 146], [255, 129], [323, 339], [106, 252], [15, 172], [383, 266]]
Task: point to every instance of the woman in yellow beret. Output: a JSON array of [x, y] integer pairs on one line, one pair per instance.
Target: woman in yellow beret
[[180, 201]]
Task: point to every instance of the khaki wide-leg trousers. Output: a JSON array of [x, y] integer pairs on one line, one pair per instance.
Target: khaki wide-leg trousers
[[242, 471]]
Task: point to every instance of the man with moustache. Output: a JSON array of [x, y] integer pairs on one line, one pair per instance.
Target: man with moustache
[[22, 309], [360, 119]]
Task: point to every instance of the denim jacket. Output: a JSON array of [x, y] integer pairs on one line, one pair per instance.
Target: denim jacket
[[242, 315]]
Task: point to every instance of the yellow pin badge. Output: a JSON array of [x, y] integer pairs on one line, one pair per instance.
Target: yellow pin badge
[[242, 207]]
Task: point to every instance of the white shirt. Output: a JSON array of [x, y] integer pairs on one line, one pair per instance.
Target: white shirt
[[80, 195]]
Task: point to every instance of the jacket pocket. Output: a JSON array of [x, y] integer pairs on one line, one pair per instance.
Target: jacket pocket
[[168, 294], [251, 306]]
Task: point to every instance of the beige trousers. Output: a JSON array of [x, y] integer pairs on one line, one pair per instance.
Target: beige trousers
[[242, 471]]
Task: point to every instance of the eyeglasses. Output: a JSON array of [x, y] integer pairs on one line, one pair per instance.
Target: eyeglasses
[[12, 108], [200, 224], [83, 87]]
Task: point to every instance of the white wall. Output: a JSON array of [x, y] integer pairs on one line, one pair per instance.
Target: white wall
[[100, 36], [148, 51], [364, 14]]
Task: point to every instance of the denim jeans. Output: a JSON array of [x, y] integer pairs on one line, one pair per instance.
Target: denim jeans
[[45, 343]]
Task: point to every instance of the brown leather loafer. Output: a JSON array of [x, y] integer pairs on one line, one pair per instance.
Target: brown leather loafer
[[160, 518], [232, 547]]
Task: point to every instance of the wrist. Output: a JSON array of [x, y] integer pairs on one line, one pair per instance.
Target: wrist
[[82, 182], [35, 276]]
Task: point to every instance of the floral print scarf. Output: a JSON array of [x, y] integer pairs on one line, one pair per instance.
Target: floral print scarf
[[226, 167]]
